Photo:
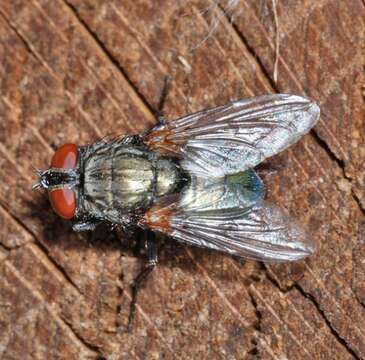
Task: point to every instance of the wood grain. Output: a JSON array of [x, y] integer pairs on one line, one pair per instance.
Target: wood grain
[[77, 70]]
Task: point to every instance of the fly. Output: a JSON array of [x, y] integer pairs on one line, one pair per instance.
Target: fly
[[191, 179]]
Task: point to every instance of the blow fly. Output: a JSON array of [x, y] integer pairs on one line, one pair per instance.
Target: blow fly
[[191, 179]]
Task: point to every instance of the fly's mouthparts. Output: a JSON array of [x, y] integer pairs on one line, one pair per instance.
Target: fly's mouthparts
[[57, 178]]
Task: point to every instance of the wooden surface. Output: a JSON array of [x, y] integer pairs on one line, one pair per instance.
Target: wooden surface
[[76, 70]]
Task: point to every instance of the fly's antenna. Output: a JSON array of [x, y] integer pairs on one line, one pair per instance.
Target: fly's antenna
[[36, 186], [39, 172]]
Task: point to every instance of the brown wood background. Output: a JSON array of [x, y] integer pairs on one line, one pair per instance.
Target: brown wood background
[[76, 70]]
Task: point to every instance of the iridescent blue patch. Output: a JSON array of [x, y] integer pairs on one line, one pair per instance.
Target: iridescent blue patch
[[248, 185]]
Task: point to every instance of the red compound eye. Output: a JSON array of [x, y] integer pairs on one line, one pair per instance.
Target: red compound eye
[[65, 157], [64, 200]]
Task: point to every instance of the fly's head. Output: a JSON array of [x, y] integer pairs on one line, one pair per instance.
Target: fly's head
[[62, 180]]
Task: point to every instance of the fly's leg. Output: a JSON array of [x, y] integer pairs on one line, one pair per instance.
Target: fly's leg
[[85, 225], [268, 169], [152, 254], [161, 103]]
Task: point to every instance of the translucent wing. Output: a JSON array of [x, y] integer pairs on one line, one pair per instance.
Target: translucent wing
[[229, 215], [236, 136]]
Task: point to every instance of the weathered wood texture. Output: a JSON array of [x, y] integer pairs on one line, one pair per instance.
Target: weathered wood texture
[[75, 70]]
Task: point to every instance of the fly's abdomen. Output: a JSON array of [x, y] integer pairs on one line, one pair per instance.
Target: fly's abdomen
[[168, 177]]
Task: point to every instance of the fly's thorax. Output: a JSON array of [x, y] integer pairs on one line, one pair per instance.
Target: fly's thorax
[[119, 180]]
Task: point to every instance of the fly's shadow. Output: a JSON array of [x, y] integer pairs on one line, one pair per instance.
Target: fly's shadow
[[142, 244], [106, 237], [54, 230]]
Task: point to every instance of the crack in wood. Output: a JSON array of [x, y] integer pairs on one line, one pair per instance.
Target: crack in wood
[[257, 337], [357, 200], [34, 53], [251, 51], [230, 306], [341, 164], [257, 326], [311, 298], [37, 242], [96, 349], [293, 336], [88, 68], [8, 219], [40, 298], [11, 26], [17, 222], [66, 278], [111, 58]]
